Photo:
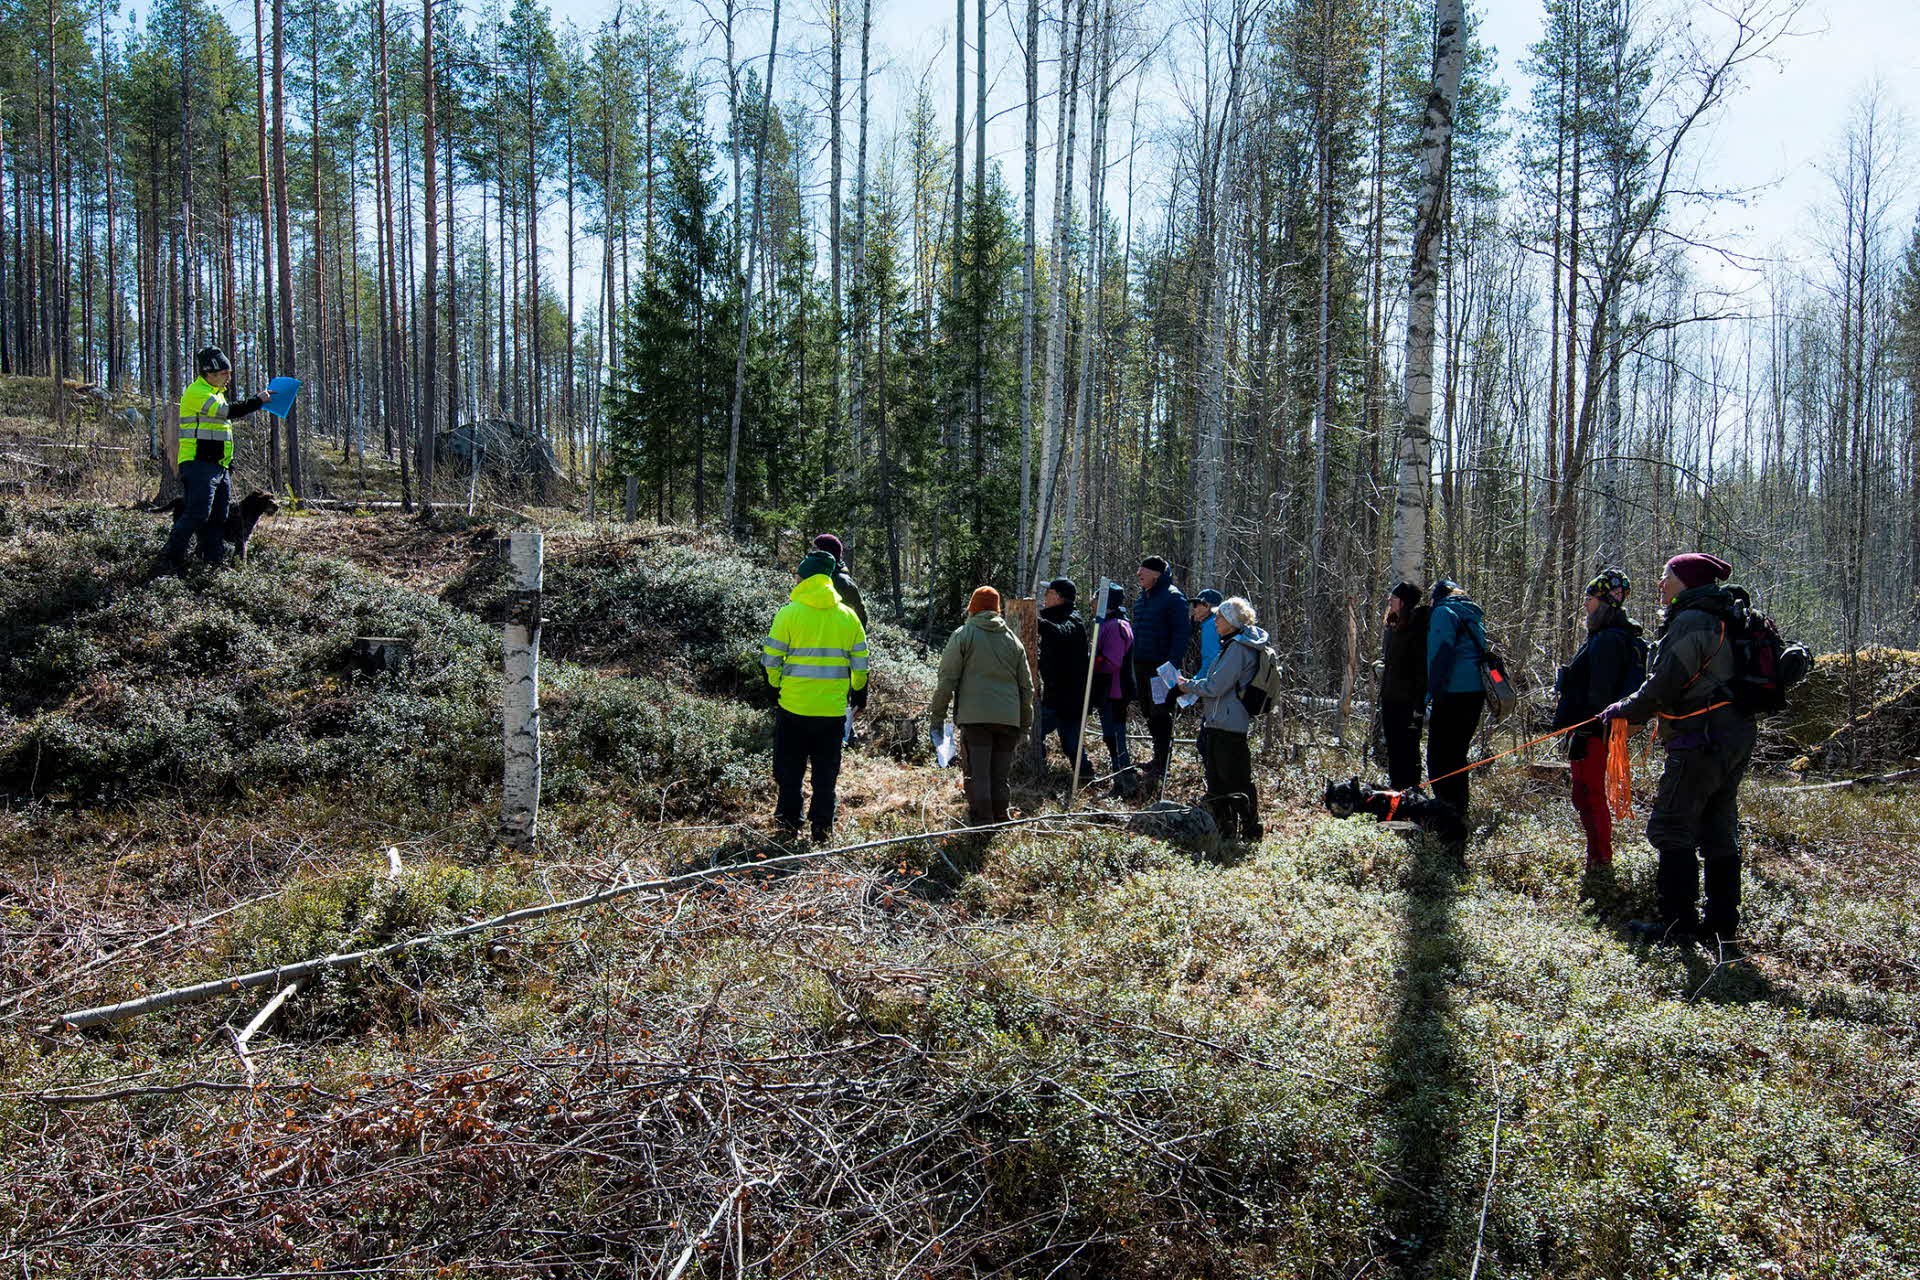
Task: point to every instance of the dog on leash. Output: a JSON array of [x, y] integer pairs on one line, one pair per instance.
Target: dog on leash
[[242, 516], [1429, 813]]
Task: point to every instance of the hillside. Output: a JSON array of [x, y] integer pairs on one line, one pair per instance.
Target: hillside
[[1064, 1051]]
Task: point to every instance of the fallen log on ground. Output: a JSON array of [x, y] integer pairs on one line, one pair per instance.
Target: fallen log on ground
[[286, 974]]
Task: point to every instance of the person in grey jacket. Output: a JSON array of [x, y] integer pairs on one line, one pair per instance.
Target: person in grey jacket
[[984, 676], [1695, 821], [1231, 793]]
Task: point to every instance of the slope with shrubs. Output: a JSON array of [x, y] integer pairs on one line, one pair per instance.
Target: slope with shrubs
[[1065, 1052]]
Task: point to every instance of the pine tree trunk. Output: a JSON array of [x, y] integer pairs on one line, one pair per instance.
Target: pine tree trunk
[[430, 365], [1436, 162], [284, 233]]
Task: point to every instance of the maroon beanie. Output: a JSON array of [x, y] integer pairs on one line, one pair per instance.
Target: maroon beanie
[[1697, 568], [828, 543]]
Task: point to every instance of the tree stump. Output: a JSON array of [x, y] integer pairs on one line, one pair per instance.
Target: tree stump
[[382, 654]]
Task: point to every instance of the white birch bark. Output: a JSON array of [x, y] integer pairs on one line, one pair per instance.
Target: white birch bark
[[1101, 89], [1051, 432], [746, 281], [1029, 268], [1436, 159], [520, 797]]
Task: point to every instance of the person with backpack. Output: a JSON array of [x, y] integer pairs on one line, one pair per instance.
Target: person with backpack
[[1113, 688], [984, 677], [1231, 794], [1708, 736], [1161, 629], [1456, 695], [842, 579], [1403, 682], [1610, 664], [1063, 669]]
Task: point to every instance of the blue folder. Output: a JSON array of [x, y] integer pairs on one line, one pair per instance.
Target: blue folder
[[281, 393]]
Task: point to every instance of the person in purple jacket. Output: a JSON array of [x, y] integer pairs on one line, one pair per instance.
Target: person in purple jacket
[[1113, 688]]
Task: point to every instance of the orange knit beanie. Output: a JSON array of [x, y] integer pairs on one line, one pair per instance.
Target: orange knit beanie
[[985, 600]]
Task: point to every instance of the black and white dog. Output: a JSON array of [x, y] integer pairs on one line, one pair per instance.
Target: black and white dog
[[242, 516], [1430, 814]]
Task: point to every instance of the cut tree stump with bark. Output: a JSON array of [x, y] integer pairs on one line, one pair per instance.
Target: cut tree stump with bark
[[382, 654]]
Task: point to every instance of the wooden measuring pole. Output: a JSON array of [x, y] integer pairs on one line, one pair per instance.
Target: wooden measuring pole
[[1086, 696], [520, 796]]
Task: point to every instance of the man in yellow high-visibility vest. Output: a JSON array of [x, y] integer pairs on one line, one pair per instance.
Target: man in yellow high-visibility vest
[[205, 456], [815, 654]]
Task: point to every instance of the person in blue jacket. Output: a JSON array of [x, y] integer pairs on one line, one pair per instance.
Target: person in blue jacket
[[1456, 639], [1161, 630]]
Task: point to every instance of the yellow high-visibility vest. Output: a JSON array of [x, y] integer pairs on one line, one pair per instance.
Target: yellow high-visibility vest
[[203, 416], [816, 651]]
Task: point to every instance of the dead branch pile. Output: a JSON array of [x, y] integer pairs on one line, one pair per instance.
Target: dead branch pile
[[750, 1078]]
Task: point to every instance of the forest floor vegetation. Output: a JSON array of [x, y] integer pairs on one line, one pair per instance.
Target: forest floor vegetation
[[1060, 1051]]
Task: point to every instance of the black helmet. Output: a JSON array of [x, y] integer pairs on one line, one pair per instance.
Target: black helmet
[[212, 360]]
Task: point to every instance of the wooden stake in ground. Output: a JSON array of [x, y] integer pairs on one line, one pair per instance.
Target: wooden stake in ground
[[1086, 696], [520, 797]]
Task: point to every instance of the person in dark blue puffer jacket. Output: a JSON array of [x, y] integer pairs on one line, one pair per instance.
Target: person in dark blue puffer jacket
[[1455, 640], [1161, 630]]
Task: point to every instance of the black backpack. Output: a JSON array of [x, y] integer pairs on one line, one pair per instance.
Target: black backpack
[[1765, 666]]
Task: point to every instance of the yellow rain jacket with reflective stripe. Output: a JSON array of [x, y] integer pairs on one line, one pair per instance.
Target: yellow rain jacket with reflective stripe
[[203, 416], [816, 651]]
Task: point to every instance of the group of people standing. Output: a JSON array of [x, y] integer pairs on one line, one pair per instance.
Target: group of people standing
[[1430, 673], [985, 681], [1434, 644]]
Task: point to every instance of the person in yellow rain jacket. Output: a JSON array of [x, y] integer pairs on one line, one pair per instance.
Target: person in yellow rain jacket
[[816, 656], [205, 456]]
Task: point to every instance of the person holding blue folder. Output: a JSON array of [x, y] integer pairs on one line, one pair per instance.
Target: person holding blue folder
[[205, 457]]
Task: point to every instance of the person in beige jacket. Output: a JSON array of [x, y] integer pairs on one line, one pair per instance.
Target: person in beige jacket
[[984, 677]]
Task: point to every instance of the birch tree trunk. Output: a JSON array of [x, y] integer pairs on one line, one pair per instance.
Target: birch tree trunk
[[520, 797], [1100, 89], [1436, 162], [728, 512], [1028, 271], [1052, 441]]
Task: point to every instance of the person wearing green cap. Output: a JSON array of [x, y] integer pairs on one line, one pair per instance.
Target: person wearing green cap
[[815, 655]]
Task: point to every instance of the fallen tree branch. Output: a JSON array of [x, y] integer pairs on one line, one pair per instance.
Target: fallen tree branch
[[131, 947], [1872, 779], [286, 974]]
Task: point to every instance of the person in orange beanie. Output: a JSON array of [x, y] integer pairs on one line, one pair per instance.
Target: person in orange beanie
[[985, 679]]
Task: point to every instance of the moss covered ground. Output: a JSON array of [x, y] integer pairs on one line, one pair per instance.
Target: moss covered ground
[[1059, 1052]]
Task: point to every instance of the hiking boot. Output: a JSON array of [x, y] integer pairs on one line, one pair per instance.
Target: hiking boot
[[1669, 933], [821, 834]]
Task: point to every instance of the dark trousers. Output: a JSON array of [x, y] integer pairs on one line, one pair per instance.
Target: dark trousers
[[1113, 730], [799, 741], [1067, 724], [204, 512], [1400, 725], [1589, 762], [1159, 718], [1696, 822], [1450, 730], [986, 754], [1231, 795]]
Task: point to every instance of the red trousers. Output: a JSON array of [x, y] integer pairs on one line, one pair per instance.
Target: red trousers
[[1590, 801]]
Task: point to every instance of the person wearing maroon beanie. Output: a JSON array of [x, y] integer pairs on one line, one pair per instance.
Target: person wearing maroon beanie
[[1695, 823]]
